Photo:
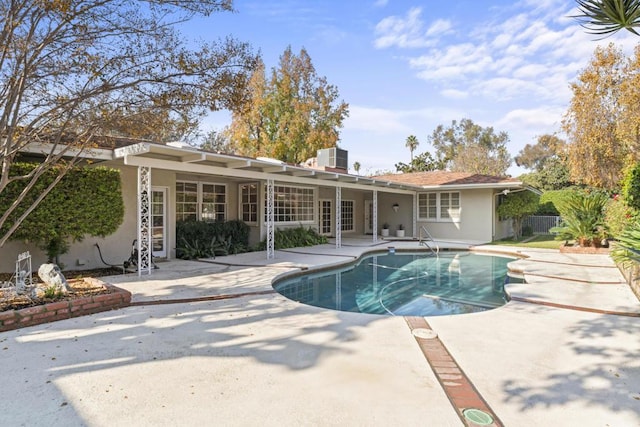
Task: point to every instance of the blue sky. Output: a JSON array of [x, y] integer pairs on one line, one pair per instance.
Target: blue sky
[[405, 67]]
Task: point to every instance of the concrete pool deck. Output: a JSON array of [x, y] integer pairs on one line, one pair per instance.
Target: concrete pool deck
[[254, 357]]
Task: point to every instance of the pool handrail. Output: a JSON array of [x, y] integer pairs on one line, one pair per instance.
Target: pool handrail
[[423, 241]]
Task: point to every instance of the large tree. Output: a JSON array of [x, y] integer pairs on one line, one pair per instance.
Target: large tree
[[596, 154], [75, 69], [290, 114], [547, 160], [412, 143], [467, 147], [605, 17]]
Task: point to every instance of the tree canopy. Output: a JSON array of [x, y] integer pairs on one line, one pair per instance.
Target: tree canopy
[[73, 70], [516, 206], [290, 114], [421, 163], [602, 120], [467, 147], [547, 160], [412, 143]]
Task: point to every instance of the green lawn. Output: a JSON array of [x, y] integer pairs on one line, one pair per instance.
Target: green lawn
[[539, 241]]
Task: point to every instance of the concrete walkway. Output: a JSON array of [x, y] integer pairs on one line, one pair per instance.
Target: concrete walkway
[[254, 357]]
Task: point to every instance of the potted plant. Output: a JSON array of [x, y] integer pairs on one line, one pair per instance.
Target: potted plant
[[385, 230], [400, 231]]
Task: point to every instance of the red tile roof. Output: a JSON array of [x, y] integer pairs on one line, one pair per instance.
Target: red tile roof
[[446, 178]]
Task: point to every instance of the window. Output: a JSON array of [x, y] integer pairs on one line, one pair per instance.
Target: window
[[292, 204], [249, 202], [186, 201], [439, 206], [200, 201], [347, 208]]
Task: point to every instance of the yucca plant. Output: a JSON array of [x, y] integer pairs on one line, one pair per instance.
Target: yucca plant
[[627, 247], [605, 17], [582, 218]]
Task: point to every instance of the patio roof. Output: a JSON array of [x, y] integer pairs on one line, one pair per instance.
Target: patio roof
[[191, 160]]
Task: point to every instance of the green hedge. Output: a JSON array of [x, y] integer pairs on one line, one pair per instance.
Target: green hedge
[[294, 238], [87, 201], [200, 239]]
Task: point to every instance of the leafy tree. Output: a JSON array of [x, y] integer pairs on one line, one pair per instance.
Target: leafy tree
[[534, 156], [605, 17], [631, 187], [517, 206], [290, 115], [553, 175], [218, 142], [412, 143], [421, 163], [356, 167], [71, 70], [86, 201], [467, 147], [596, 155]]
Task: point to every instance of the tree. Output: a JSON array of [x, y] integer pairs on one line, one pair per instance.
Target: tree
[[553, 175], [467, 147], [421, 163], [76, 69], [412, 143], [534, 156], [596, 155], [547, 159], [356, 167], [217, 142], [290, 115], [605, 17], [517, 206]]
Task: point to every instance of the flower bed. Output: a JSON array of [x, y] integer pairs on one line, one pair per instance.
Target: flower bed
[[108, 298]]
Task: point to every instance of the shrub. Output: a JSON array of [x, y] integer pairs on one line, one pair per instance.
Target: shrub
[[617, 216], [86, 201], [200, 239], [582, 218], [293, 238], [631, 187]]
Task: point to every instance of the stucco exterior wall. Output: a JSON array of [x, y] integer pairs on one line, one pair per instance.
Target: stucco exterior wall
[[476, 219]]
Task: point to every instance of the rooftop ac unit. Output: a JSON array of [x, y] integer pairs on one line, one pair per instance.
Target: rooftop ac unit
[[333, 158]]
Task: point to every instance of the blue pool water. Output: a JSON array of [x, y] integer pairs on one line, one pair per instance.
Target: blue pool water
[[414, 284]]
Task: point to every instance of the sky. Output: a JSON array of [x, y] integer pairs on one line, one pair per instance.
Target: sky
[[405, 67]]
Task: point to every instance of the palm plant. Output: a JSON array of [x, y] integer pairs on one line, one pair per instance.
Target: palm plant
[[412, 143], [582, 218], [627, 250], [605, 17]]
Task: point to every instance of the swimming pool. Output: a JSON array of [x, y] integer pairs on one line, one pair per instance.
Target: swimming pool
[[406, 284]]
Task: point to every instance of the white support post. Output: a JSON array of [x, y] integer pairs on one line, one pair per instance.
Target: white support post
[[144, 220], [338, 217], [415, 215], [375, 216], [271, 253]]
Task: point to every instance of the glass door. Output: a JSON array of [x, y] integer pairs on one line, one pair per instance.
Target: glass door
[[324, 217], [159, 222]]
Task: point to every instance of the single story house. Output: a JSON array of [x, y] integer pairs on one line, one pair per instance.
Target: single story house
[[165, 183]]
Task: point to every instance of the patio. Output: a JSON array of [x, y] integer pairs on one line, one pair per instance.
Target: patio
[[253, 356]]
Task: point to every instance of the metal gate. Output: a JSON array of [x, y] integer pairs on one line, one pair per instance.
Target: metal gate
[[540, 224]]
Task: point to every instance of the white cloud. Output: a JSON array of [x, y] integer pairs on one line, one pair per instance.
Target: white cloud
[[454, 94], [380, 3], [409, 31]]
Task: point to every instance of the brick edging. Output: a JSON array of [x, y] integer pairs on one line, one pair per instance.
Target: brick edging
[[59, 310]]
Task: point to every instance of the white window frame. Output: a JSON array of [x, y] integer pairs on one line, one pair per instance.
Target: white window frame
[[241, 203], [200, 203], [423, 200], [276, 212], [353, 215]]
